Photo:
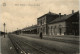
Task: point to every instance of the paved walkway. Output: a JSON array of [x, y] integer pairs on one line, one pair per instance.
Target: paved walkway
[[6, 46], [0, 44], [66, 39]]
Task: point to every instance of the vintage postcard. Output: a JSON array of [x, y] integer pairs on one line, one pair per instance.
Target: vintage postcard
[[39, 26]]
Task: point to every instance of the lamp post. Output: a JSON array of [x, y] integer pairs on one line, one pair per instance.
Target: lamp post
[[4, 29]]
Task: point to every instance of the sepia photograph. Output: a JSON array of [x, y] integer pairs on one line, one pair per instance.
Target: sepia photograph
[[39, 26]]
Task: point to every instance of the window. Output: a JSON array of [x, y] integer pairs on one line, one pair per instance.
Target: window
[[41, 22], [75, 22], [45, 20], [54, 26], [51, 30], [60, 26]]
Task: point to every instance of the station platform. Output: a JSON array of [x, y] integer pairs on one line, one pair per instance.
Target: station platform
[[6, 46], [66, 38]]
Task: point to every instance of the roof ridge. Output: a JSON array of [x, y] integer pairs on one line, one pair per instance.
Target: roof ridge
[[49, 13], [62, 18]]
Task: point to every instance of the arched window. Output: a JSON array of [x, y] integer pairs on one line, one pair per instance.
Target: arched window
[[55, 30], [60, 26], [60, 29], [51, 29], [54, 26]]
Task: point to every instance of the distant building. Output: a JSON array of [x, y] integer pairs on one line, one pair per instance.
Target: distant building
[[43, 22], [65, 25], [30, 30], [17, 32]]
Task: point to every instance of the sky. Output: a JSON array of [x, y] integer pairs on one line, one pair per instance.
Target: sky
[[23, 13]]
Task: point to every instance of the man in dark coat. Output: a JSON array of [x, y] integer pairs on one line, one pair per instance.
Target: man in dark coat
[[41, 35]]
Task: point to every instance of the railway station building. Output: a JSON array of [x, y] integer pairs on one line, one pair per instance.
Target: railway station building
[[44, 20], [65, 25], [55, 24]]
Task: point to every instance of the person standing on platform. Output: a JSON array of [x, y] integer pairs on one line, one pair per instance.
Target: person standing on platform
[[41, 35]]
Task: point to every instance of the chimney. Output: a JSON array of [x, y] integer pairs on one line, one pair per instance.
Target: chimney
[[59, 15], [72, 11], [49, 12], [64, 14]]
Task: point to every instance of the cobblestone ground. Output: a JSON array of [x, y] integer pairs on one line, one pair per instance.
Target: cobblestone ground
[[6, 46]]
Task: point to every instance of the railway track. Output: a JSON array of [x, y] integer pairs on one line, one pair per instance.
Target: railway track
[[17, 46], [25, 48]]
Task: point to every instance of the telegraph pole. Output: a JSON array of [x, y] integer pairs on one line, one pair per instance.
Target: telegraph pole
[[4, 29]]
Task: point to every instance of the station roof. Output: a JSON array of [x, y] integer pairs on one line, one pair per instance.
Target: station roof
[[30, 28], [63, 18], [49, 13]]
